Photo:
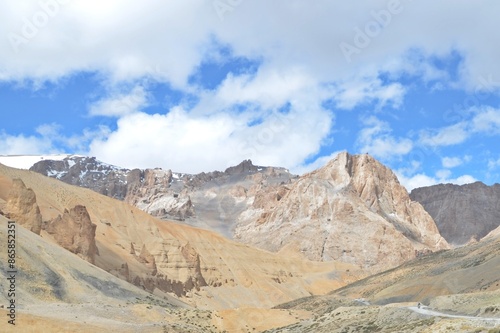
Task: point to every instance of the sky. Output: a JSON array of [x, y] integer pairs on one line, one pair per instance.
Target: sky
[[201, 85]]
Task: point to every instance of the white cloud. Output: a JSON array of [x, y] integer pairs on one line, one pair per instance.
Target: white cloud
[[187, 142], [118, 105], [450, 135], [26, 145], [168, 40], [487, 120], [272, 117], [49, 140], [451, 162], [350, 94], [422, 180], [376, 139], [297, 45], [493, 164], [482, 120], [269, 88], [443, 174]]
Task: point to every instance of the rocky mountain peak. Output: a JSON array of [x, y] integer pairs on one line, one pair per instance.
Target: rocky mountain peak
[[86, 172], [326, 214], [373, 182], [244, 167]]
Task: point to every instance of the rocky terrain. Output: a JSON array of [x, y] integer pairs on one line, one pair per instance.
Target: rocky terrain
[[57, 291], [462, 213], [200, 267], [98, 264], [352, 210], [212, 200], [459, 291], [323, 215]]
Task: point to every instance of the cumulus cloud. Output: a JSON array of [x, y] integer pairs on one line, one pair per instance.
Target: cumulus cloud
[[352, 93], [452, 162], [441, 177], [29, 145], [486, 120], [118, 105], [483, 120], [493, 164], [193, 143], [274, 115], [114, 38], [376, 139], [450, 135]]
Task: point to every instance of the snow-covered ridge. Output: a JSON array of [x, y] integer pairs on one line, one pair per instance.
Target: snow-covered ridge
[[27, 161]]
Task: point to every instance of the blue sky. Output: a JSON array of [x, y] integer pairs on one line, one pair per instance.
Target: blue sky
[[201, 85]]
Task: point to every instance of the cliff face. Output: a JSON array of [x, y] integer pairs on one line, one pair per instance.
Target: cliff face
[[461, 213], [353, 210], [212, 200], [150, 191], [74, 231], [22, 207]]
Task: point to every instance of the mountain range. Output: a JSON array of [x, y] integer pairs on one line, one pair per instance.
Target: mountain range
[[322, 214], [245, 249]]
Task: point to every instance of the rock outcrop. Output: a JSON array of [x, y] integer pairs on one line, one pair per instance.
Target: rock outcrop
[[150, 191], [75, 232], [87, 172], [461, 213], [23, 208], [202, 267], [352, 210], [211, 200]]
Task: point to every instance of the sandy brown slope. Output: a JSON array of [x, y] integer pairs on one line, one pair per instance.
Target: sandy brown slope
[[201, 267], [461, 282], [472, 268], [56, 291]]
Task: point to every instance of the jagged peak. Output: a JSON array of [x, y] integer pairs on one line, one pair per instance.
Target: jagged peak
[[243, 167], [345, 166]]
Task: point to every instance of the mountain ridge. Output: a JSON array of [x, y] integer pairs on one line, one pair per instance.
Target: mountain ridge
[[462, 212], [243, 199], [198, 266]]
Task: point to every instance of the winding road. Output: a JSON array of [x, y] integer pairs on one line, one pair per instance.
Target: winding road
[[426, 311]]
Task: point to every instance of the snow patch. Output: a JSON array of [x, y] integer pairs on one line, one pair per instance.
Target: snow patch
[[27, 161]]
